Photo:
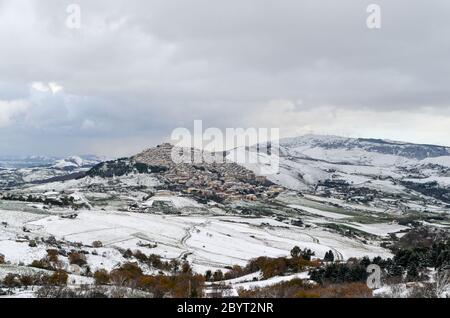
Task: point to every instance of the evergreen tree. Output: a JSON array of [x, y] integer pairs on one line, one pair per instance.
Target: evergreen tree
[[307, 254], [329, 256], [295, 252]]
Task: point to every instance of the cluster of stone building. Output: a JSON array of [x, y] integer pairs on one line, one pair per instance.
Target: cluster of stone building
[[209, 181], [223, 182]]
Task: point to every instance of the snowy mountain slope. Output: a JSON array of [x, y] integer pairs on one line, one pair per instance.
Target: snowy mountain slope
[[22, 170], [74, 162], [17, 162], [362, 146], [311, 161]]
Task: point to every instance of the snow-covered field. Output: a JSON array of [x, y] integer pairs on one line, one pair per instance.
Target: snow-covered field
[[382, 229], [208, 242], [325, 214]]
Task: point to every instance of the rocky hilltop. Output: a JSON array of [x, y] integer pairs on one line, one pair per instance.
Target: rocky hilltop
[[209, 181], [157, 156]]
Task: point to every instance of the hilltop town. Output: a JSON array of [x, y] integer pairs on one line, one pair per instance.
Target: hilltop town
[[218, 182]]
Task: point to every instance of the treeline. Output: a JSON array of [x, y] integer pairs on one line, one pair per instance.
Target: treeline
[[182, 284], [57, 278], [411, 264], [61, 201], [414, 261], [153, 260], [354, 270], [299, 261]]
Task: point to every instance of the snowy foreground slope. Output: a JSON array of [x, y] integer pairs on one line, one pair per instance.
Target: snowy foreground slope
[[208, 242]]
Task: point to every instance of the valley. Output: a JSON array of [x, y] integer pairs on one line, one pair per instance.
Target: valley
[[353, 198]]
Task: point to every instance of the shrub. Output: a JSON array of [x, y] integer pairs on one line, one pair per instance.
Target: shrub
[[42, 264], [58, 278], [141, 257], [155, 260], [186, 268], [159, 285], [181, 285], [2, 259], [66, 292], [77, 259], [218, 275], [127, 254], [208, 275], [271, 267], [97, 244], [174, 265], [101, 277], [11, 281], [348, 290], [234, 272], [27, 280], [52, 255], [127, 274]]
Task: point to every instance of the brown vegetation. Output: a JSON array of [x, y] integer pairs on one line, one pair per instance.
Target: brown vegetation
[[298, 288], [77, 259], [97, 244], [102, 277]]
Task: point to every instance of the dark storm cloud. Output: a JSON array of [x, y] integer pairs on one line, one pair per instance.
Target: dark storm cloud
[[137, 69]]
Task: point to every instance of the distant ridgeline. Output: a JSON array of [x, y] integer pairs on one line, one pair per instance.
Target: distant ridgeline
[[388, 147], [407, 150]]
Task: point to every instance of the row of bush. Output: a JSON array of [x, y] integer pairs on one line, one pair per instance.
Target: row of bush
[[181, 284], [51, 260], [300, 260], [57, 278], [154, 261]]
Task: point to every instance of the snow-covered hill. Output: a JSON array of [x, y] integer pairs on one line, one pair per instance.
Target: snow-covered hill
[[310, 161], [356, 150], [74, 162], [16, 171]]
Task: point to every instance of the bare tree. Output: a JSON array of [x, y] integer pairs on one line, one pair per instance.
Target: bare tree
[[442, 282]]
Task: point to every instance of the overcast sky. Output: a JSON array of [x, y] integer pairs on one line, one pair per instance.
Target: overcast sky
[[136, 70]]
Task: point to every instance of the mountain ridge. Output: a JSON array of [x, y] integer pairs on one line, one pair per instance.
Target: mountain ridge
[[404, 149]]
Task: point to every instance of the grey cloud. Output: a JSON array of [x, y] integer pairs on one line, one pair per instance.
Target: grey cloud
[[138, 69]]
